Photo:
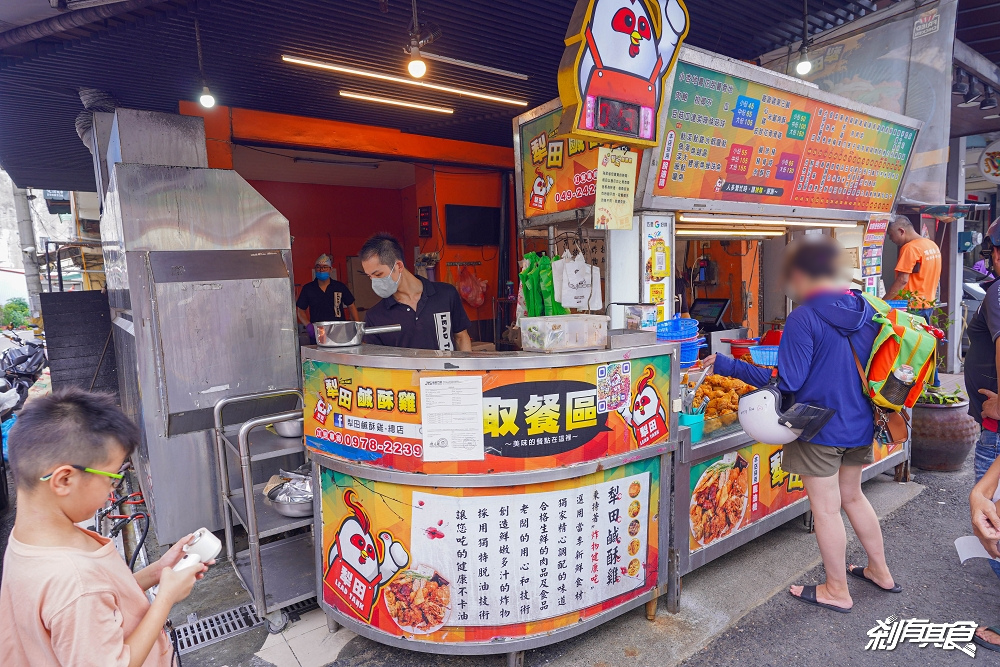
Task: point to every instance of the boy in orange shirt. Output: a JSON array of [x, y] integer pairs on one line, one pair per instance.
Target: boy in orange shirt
[[67, 597]]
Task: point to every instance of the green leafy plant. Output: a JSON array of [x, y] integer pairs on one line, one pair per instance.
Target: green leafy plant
[[15, 313], [939, 315], [940, 397]]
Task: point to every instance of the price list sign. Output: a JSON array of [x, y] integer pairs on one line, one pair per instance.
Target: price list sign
[[737, 140], [477, 564], [871, 246]]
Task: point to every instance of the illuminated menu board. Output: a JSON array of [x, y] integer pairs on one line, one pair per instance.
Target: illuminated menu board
[[729, 139]]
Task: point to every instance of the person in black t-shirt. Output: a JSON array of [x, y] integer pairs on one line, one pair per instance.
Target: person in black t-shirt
[[431, 314], [324, 299]]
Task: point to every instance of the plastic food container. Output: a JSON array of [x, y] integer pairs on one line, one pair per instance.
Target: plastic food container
[[560, 333]]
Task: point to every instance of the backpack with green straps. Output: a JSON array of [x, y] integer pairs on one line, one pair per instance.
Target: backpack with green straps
[[902, 340]]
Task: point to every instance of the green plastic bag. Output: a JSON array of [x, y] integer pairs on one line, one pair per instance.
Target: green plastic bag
[[529, 281]]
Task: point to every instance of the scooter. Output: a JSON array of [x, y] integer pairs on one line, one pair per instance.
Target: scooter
[[23, 364], [9, 400]]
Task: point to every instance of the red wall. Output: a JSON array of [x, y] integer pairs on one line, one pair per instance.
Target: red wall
[[333, 219]]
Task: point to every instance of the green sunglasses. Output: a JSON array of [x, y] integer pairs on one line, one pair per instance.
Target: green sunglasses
[[113, 475]]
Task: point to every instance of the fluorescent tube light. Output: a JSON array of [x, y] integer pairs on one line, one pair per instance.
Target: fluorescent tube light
[[719, 220], [728, 232], [399, 79], [398, 103]]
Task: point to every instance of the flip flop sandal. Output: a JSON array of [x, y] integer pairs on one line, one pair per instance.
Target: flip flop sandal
[[859, 572], [985, 644], [809, 597]]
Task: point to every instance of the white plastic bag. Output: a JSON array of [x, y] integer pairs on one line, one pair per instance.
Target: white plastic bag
[[596, 302], [576, 283]]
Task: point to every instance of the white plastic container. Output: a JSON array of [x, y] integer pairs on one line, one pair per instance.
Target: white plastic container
[[560, 333]]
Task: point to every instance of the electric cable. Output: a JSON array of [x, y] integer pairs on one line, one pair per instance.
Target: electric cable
[[141, 543]]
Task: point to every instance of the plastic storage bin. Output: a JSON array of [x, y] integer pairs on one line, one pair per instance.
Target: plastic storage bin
[[559, 333]]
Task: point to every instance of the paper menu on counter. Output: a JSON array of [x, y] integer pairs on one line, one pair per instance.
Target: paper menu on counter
[[451, 411]]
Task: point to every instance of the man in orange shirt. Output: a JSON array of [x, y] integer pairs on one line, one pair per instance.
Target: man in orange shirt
[[918, 269]]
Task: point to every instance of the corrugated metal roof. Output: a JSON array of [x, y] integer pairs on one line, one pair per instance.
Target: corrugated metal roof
[[148, 60]]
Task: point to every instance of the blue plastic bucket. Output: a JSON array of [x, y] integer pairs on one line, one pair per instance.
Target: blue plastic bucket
[[678, 328], [689, 350]]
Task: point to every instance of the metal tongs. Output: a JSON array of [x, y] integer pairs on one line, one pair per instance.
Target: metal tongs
[[687, 399]]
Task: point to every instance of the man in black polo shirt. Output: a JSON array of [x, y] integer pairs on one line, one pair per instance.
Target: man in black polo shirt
[[326, 300], [431, 314], [982, 363]]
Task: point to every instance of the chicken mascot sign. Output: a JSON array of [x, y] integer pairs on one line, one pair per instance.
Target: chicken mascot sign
[[618, 53]]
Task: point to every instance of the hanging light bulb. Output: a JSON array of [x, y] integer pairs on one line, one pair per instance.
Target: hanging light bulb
[[416, 67], [804, 65], [207, 99]]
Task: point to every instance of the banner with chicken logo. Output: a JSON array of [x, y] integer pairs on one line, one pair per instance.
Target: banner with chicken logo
[[618, 54], [533, 419], [441, 564]]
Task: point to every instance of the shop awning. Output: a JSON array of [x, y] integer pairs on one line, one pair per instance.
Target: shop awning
[[146, 58]]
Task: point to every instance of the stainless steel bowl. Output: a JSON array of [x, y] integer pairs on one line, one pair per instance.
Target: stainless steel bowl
[[289, 429], [293, 509], [347, 334]]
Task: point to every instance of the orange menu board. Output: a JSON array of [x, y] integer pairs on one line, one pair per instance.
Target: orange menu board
[[729, 139]]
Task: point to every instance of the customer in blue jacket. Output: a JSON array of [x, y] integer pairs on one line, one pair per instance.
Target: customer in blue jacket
[[816, 365]]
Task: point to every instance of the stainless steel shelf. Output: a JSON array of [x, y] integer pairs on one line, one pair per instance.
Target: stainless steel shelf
[[269, 522], [264, 444], [289, 570]]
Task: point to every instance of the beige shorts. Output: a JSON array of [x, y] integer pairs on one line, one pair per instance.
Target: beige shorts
[[807, 458]]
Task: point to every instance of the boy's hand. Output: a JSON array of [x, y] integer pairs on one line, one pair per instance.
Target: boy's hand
[[171, 558], [174, 553], [175, 586]]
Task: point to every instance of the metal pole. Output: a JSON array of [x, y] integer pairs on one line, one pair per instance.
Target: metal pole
[[29, 251], [59, 266], [48, 266]]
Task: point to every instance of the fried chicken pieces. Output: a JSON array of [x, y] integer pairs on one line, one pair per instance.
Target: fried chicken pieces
[[417, 602], [723, 400], [717, 502]]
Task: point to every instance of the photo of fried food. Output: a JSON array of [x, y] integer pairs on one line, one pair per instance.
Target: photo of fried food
[[417, 602], [633, 489], [633, 547], [719, 501], [633, 509], [633, 567], [633, 528]]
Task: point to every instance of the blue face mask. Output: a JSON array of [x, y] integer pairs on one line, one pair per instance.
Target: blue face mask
[[322, 275]]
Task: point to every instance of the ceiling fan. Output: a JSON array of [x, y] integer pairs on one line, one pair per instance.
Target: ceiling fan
[[422, 34]]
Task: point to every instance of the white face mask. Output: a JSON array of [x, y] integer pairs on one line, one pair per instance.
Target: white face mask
[[386, 286]]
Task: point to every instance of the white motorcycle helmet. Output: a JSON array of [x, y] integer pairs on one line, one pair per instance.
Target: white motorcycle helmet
[[764, 421]]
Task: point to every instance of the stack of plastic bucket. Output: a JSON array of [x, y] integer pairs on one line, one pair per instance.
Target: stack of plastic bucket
[[684, 331]]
